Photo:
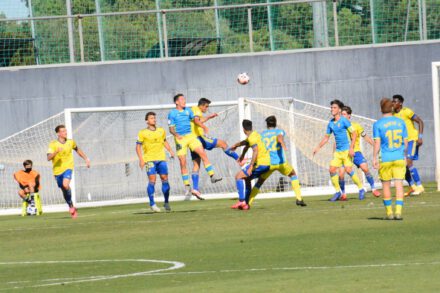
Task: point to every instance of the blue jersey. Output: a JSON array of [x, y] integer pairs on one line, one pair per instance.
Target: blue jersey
[[270, 139], [392, 132], [181, 120], [340, 129]]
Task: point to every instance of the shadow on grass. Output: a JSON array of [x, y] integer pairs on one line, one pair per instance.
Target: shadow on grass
[[163, 212]]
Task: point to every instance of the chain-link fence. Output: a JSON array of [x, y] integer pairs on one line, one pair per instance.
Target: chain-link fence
[[49, 31]]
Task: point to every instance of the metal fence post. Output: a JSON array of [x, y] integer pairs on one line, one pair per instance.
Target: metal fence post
[[81, 37], [425, 29], [373, 22], [100, 32], [420, 19], [70, 31], [251, 38], [159, 29], [270, 24], [335, 22], [31, 15], [165, 32]]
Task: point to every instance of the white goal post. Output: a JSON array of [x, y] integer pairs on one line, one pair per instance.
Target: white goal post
[[436, 108], [108, 134]]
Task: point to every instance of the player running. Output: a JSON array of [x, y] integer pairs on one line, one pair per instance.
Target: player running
[[179, 122], [273, 139], [391, 139], [199, 128], [260, 163], [60, 153], [341, 127], [415, 140], [150, 148], [29, 182], [358, 158]]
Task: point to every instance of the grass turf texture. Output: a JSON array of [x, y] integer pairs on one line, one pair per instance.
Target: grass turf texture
[[275, 247]]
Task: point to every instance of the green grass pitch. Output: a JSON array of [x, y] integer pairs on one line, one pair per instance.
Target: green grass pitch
[[275, 247]]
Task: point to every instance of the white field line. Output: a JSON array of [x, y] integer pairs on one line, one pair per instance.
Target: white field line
[[334, 208], [175, 266]]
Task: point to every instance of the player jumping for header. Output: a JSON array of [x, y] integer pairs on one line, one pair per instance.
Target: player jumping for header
[[199, 128], [179, 122]]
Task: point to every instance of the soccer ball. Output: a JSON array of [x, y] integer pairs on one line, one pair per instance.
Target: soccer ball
[[31, 210], [243, 78]]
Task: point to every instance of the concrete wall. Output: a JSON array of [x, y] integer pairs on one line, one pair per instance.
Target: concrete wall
[[359, 76]]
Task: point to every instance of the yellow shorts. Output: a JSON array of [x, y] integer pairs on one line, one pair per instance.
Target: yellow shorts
[[284, 169], [188, 141], [392, 170], [341, 159]]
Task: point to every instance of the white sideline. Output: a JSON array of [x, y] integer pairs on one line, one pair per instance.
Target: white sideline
[[175, 266]]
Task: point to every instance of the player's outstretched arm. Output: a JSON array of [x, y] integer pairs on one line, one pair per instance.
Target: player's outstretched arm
[[280, 139], [324, 140], [369, 140], [376, 149], [83, 156], [421, 125], [140, 157], [209, 117], [174, 133], [238, 144], [198, 122], [243, 153], [168, 148]]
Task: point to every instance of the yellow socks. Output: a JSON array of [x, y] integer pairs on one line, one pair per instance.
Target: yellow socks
[[296, 187]]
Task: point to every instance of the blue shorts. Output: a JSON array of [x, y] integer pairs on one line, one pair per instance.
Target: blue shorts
[[157, 167], [413, 150], [65, 175], [256, 172], [208, 144], [358, 159]]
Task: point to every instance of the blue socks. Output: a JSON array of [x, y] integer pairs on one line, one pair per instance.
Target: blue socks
[[240, 189], [415, 175], [231, 154], [166, 190], [370, 179], [67, 196], [150, 192], [195, 180], [342, 185]]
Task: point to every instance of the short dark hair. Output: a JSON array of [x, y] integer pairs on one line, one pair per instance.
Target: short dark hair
[[271, 121], [399, 97], [57, 129], [27, 162], [347, 109], [176, 97], [204, 101], [337, 102], [149, 114], [247, 125]]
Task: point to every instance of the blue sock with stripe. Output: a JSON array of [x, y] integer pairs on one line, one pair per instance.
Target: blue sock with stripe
[[195, 180], [166, 190], [342, 185], [150, 192], [231, 154], [415, 175], [240, 189], [370, 179]]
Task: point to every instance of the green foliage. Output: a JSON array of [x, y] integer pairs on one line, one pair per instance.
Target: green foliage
[[130, 37]]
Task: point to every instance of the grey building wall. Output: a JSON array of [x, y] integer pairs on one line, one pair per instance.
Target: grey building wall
[[358, 76]]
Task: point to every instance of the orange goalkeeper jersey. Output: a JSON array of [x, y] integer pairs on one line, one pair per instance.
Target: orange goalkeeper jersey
[[24, 178]]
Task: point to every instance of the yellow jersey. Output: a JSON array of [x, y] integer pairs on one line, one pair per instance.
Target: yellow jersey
[[359, 130], [197, 130], [406, 114], [64, 159], [263, 158], [153, 144]]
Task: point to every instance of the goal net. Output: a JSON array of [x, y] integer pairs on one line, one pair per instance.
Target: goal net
[[108, 137]]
